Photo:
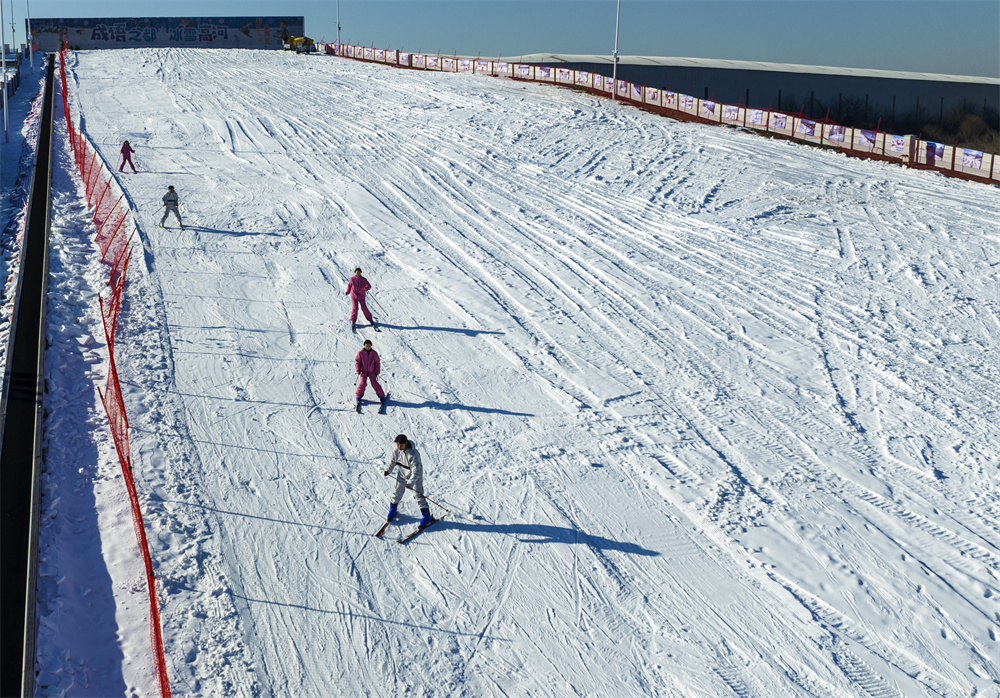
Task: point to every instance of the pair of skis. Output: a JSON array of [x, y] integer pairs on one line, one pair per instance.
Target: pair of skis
[[412, 534]]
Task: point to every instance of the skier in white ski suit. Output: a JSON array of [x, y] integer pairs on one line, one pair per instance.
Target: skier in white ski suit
[[411, 473], [170, 202]]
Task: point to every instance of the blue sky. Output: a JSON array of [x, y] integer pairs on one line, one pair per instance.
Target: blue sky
[[958, 37]]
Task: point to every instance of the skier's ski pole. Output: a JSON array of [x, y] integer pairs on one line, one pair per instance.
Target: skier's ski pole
[[430, 500], [378, 304], [422, 494]]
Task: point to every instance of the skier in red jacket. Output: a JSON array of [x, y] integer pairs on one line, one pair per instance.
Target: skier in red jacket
[[357, 288], [368, 366], [127, 151]]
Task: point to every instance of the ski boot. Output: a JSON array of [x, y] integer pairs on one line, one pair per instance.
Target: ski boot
[[357, 406], [392, 512], [427, 519], [354, 327]]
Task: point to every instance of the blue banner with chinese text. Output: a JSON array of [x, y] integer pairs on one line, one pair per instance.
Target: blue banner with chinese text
[[135, 32]]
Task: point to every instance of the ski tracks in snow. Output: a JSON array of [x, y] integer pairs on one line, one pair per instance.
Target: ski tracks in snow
[[715, 413]]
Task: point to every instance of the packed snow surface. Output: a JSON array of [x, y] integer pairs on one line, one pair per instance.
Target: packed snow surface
[[713, 414]]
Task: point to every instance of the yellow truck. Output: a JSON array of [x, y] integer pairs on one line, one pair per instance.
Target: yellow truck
[[299, 44]]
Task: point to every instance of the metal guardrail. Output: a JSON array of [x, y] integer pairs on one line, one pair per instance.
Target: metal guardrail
[[21, 427]]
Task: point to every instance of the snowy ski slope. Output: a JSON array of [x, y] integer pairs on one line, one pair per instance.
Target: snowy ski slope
[[715, 414]]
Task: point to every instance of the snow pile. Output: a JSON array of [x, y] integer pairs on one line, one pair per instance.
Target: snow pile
[[715, 414]]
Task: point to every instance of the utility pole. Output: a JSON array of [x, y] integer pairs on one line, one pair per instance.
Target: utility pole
[[614, 68], [338, 26], [3, 67], [27, 31]]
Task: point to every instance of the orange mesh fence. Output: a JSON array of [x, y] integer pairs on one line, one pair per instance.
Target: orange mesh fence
[[114, 235], [108, 220]]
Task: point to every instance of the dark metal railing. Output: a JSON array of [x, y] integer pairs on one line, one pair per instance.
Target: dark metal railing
[[21, 428]]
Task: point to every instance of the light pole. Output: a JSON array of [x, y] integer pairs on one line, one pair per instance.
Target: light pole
[[3, 67], [338, 26], [27, 32], [614, 68]]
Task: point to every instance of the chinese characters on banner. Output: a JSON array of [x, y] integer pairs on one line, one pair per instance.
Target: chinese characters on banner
[[135, 32]]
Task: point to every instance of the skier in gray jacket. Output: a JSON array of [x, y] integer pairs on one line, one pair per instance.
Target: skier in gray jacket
[[170, 203], [410, 474]]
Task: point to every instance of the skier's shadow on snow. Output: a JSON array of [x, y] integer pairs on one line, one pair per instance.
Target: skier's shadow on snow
[[457, 406], [456, 330], [539, 533], [230, 233]]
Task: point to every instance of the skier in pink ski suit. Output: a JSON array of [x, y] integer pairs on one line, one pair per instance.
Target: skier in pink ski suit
[[368, 366], [357, 288], [127, 151]]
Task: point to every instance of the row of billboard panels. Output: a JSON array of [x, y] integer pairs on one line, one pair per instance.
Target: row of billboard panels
[[907, 149]]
